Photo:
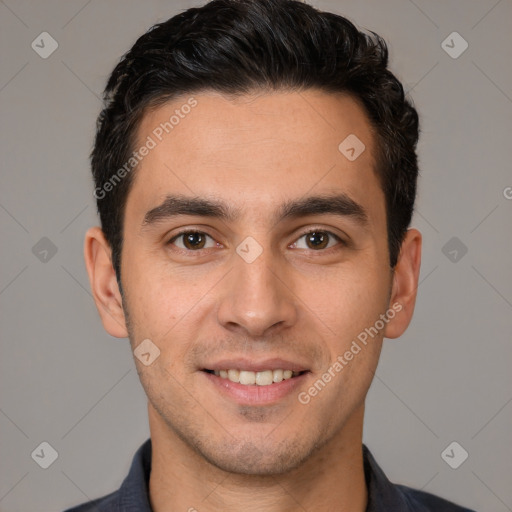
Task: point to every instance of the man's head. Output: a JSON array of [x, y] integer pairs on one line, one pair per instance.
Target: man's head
[[278, 142], [238, 47]]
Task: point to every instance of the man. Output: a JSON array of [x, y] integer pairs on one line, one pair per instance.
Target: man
[[255, 174]]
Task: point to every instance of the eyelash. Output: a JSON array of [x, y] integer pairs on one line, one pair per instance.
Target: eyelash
[[309, 231]]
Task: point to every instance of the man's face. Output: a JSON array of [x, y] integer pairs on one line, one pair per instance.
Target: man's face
[[257, 290]]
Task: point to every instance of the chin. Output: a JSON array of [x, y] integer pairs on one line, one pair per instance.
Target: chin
[[248, 458]]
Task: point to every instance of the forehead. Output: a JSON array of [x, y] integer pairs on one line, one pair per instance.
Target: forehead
[[257, 150]]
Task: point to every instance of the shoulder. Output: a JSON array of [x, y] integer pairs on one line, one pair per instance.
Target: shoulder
[[132, 494], [384, 495], [105, 504], [426, 502]]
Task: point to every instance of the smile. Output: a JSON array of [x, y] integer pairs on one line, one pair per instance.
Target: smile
[[264, 387], [261, 378]]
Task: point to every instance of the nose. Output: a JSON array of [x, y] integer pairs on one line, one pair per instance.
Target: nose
[[258, 298]]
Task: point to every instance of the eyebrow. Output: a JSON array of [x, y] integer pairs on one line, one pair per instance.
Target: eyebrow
[[337, 204]]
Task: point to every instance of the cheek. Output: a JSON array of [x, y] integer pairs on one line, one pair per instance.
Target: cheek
[[154, 309], [345, 300], [168, 306], [159, 294]]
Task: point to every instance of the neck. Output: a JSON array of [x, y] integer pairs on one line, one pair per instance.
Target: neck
[[330, 479]]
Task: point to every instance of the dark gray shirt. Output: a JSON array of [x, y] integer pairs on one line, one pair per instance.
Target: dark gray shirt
[[383, 496]]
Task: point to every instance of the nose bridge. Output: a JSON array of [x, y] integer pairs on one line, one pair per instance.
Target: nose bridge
[[256, 298]]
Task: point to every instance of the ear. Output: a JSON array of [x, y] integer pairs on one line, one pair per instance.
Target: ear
[[405, 284], [102, 277]]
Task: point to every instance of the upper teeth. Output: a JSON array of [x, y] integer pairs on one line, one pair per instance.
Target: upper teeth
[[263, 378]]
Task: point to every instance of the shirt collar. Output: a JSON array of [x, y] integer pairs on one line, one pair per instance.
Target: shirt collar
[[134, 492], [382, 494]]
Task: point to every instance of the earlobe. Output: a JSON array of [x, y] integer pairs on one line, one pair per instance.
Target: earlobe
[[102, 278], [405, 284]]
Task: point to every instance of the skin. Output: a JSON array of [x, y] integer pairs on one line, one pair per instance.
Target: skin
[[294, 301]]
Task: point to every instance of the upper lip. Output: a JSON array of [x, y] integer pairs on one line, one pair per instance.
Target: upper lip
[[256, 366]]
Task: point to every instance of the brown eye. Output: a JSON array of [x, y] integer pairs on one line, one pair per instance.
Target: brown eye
[[317, 240], [191, 240], [194, 241]]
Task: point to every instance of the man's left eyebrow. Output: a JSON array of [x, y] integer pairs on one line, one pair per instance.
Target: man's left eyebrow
[[338, 204]]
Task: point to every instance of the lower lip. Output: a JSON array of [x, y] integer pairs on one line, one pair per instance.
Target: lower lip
[[254, 394]]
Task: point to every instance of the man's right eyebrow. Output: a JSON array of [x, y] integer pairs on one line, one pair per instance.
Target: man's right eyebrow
[[175, 205]]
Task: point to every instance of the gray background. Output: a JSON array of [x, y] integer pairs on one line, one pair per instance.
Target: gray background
[[65, 381]]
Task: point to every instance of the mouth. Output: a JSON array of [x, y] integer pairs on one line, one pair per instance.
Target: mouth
[[255, 384], [253, 378]]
